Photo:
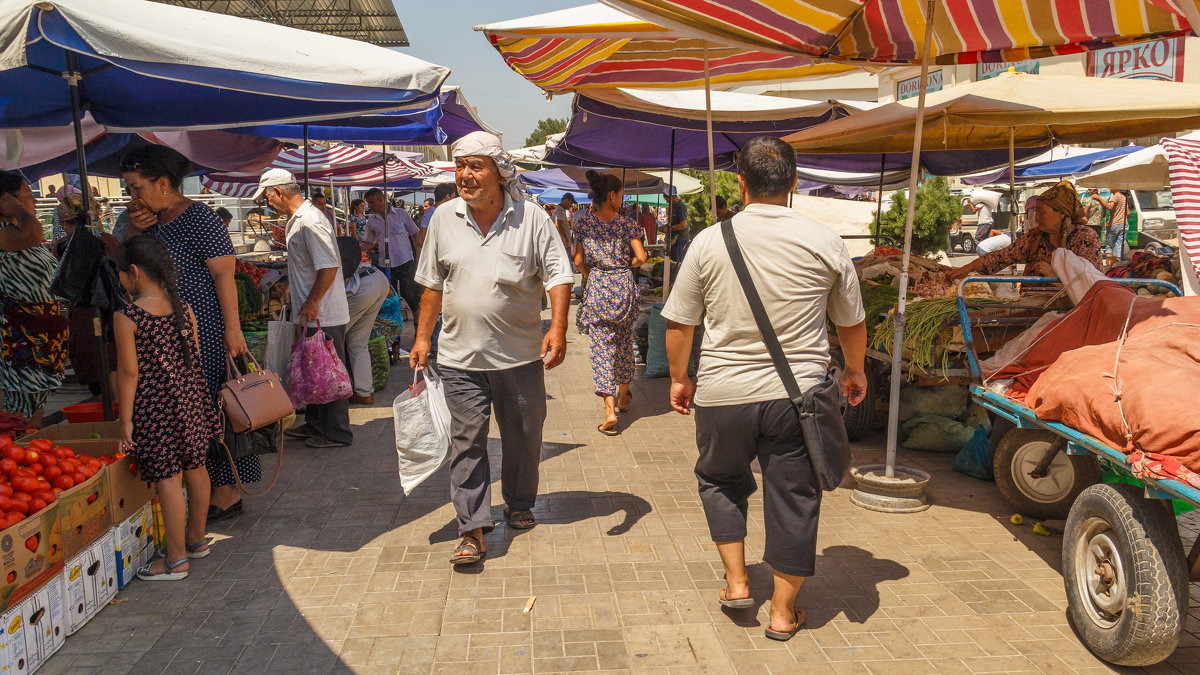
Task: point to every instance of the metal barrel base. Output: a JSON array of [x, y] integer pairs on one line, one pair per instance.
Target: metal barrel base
[[903, 493]]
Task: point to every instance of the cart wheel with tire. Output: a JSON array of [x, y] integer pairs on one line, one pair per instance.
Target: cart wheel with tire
[[967, 242], [1036, 475], [859, 418], [1125, 575]]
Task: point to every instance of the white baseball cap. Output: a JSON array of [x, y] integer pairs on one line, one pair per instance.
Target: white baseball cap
[[273, 178]]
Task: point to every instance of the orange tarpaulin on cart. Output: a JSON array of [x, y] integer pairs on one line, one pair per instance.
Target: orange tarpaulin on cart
[[1135, 395]]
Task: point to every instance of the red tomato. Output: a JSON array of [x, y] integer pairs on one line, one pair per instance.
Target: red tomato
[[106, 460], [5, 503], [14, 452], [22, 497], [78, 477], [23, 484], [57, 491], [5, 488], [40, 444], [7, 466], [67, 452], [23, 472], [37, 468], [46, 495], [64, 482], [49, 474], [48, 459], [13, 519], [86, 471], [67, 466], [20, 507], [36, 505], [5, 441], [31, 456]]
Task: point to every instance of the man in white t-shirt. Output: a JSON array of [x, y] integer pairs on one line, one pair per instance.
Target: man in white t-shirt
[[803, 274], [318, 295], [392, 232], [562, 220]]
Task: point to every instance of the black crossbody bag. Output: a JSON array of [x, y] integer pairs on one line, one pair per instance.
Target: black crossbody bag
[[820, 407]]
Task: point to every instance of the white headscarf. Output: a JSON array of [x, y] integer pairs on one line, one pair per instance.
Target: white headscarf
[[483, 144]]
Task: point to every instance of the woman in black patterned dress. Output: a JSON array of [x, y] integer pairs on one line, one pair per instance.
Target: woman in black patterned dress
[[199, 242], [167, 416]]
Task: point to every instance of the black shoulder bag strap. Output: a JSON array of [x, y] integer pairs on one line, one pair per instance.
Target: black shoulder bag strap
[[761, 318], [819, 408]]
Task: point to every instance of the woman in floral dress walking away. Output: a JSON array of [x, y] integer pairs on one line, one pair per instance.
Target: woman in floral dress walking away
[[167, 416], [608, 246]]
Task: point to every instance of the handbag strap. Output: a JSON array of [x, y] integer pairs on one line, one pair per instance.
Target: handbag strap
[[233, 464], [760, 316]]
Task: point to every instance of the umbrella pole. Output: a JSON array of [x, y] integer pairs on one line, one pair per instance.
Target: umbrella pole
[[667, 239], [387, 206], [712, 171], [914, 174], [1012, 186], [879, 198], [104, 319], [306, 160]]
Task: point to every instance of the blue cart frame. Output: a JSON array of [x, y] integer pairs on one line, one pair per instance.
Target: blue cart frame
[[1153, 569]]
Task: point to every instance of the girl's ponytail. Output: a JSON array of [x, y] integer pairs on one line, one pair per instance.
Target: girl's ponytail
[[154, 259]]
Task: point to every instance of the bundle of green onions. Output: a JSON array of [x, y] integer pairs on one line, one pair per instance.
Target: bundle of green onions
[[878, 300], [924, 321]]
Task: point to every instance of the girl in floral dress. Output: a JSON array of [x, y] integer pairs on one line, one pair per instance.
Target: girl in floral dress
[[608, 246], [167, 416]]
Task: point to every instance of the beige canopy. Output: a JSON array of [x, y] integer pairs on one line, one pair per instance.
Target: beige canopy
[[1035, 109]]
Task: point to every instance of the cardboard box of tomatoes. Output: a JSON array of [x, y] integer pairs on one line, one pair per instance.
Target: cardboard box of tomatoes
[[90, 581], [135, 544], [31, 553], [42, 619], [126, 490]]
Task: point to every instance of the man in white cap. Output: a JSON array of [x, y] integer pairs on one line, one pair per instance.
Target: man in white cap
[[318, 294], [488, 259]]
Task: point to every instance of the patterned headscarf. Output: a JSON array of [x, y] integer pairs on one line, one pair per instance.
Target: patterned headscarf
[[1064, 199], [483, 144]]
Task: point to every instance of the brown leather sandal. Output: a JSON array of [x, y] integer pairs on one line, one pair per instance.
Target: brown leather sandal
[[469, 550]]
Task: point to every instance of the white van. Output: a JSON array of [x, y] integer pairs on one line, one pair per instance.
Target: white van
[[1152, 221]]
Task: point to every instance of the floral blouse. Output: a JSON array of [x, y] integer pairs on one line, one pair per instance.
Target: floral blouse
[[1036, 248]]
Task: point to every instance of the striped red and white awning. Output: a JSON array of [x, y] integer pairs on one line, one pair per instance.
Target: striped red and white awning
[[341, 165], [1185, 193]]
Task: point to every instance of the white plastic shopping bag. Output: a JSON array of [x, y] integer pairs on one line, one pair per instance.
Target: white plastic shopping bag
[[422, 422], [281, 337]]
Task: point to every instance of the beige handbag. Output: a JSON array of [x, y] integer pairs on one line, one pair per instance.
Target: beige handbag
[[253, 400]]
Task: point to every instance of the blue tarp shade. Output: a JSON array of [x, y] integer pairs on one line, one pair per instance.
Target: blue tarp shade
[[127, 94], [554, 196], [446, 123], [1059, 167]]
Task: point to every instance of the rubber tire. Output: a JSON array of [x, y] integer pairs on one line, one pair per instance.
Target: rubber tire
[[1147, 539], [1085, 468], [968, 244], [858, 419]]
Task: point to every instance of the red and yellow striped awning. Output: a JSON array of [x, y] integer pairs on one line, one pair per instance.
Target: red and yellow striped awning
[[890, 31], [595, 46]]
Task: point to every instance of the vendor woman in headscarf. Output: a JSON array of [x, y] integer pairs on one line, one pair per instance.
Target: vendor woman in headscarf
[[1060, 223]]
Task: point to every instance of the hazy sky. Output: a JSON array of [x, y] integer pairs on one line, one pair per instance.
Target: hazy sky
[[441, 32]]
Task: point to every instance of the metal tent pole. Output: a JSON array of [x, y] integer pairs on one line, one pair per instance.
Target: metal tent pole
[[712, 171], [667, 239], [387, 207], [104, 319], [879, 199], [306, 161], [898, 335]]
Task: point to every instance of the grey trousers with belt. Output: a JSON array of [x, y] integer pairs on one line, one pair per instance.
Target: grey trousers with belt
[[518, 396]]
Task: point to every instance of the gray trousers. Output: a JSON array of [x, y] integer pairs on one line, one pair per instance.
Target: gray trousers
[[729, 438], [364, 307], [332, 420], [518, 396]]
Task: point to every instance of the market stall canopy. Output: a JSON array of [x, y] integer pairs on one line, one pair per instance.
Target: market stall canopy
[[892, 180], [890, 31], [450, 120], [1038, 109], [367, 178], [573, 179], [207, 150], [1146, 169], [346, 166], [596, 46], [1077, 160], [637, 127], [148, 66]]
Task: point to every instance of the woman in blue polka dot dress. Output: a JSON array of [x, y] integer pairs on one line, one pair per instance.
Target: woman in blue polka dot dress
[[203, 252]]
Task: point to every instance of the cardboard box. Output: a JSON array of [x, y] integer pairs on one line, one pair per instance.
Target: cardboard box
[[13, 658], [90, 581], [45, 623], [85, 513], [134, 544], [127, 491], [31, 554]]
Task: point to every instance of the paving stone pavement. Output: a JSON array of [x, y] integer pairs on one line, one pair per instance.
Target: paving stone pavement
[[337, 571]]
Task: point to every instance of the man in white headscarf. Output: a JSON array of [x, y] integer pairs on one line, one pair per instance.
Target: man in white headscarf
[[488, 259]]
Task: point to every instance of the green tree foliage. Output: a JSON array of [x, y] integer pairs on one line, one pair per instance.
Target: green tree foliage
[[544, 128], [699, 204], [936, 211]]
